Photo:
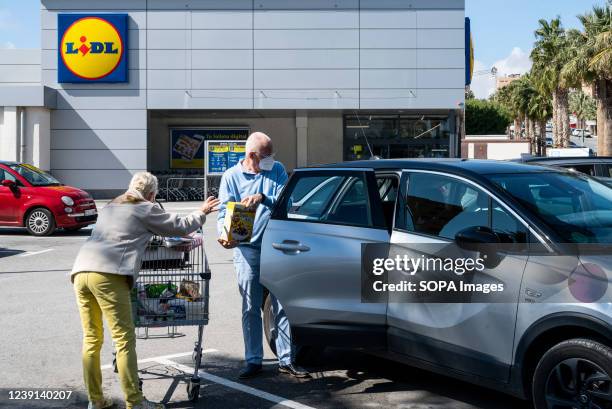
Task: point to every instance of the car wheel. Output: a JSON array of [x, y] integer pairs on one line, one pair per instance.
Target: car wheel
[[268, 323], [40, 222], [574, 374], [304, 354]]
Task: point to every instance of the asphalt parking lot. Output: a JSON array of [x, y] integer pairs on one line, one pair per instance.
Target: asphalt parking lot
[[41, 342]]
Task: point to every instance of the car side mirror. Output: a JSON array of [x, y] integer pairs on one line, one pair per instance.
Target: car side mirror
[[9, 183], [482, 240], [472, 238]]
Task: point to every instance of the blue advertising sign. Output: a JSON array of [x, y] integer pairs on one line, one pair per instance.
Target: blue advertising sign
[[469, 52], [92, 48], [222, 155]]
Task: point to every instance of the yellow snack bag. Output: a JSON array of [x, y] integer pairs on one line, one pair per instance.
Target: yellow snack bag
[[238, 223]]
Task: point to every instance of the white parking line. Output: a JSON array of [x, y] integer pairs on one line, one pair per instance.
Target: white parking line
[[34, 253], [238, 386], [157, 358]]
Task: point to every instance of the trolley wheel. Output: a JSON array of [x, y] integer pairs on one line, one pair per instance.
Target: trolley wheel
[[140, 384], [193, 389], [115, 370]]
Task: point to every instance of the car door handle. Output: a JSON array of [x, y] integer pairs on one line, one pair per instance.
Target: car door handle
[[290, 246]]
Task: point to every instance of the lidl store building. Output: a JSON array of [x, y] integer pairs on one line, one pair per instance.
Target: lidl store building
[[121, 86]]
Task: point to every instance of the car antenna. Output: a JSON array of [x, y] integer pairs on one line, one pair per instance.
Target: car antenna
[[372, 156]]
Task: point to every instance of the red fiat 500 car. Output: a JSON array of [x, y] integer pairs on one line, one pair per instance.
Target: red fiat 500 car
[[35, 200]]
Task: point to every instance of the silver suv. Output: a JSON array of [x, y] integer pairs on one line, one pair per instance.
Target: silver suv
[[551, 343]]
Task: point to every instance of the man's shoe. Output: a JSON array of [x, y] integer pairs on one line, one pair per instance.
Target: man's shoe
[[250, 371], [294, 370], [105, 403], [147, 404]]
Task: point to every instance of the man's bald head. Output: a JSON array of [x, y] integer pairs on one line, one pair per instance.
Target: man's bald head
[[260, 143]]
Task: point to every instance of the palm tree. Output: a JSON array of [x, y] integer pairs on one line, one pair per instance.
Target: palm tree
[[540, 109], [550, 54], [583, 106], [523, 92], [527, 105], [506, 98], [592, 63]]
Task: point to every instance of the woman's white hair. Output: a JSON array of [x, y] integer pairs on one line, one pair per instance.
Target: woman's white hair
[[143, 183]]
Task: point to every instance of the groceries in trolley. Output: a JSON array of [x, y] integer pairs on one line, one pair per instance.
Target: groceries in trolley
[[163, 302], [171, 287], [172, 290], [238, 223]]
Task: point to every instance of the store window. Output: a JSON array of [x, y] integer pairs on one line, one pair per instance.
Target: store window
[[397, 136]]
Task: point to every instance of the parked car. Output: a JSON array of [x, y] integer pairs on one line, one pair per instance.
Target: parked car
[[559, 353], [35, 200], [579, 133], [572, 144], [600, 167]]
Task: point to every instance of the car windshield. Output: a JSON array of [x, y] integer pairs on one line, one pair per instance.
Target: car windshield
[[576, 207], [35, 176]]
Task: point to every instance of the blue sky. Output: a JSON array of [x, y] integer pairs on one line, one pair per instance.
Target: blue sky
[[20, 23], [503, 32], [502, 29]]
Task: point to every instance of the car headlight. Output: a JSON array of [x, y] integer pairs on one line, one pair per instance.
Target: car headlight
[[67, 201]]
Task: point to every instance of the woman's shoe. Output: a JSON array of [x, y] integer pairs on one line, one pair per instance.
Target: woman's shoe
[[147, 404], [105, 403]]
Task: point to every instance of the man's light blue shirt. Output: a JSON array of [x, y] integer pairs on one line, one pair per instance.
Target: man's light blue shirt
[[237, 183]]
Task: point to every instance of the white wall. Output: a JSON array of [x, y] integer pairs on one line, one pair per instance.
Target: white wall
[[36, 135], [20, 66], [8, 134], [98, 131], [240, 54]]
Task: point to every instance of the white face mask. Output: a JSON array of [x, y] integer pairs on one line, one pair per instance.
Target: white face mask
[[267, 163]]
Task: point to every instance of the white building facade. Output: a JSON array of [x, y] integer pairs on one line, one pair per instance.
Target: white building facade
[[319, 76]]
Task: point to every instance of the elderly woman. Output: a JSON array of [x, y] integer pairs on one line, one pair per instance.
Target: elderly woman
[[105, 271]]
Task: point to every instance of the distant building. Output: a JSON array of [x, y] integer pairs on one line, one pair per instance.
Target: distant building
[[506, 80]]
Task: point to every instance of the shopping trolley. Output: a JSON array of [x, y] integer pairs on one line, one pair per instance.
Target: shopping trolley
[[172, 290]]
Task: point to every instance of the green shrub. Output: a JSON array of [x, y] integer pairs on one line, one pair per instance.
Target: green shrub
[[485, 118]]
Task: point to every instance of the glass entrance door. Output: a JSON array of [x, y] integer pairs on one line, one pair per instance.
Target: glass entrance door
[[397, 136]]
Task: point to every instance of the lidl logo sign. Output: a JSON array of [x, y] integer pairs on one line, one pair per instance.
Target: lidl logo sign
[[92, 48]]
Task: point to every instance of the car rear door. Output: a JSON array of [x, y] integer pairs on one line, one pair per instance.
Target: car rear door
[[472, 337], [311, 255]]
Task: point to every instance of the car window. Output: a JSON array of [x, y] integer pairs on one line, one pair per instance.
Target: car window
[[34, 175], [329, 199], [311, 196], [352, 207], [507, 227], [577, 208], [442, 206], [4, 175], [387, 188], [586, 169]]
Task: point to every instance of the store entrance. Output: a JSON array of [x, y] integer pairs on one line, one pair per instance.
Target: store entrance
[[398, 135]]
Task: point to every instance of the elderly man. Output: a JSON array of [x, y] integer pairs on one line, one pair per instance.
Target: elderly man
[[256, 182]]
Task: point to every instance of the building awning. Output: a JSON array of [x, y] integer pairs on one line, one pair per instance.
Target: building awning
[[27, 96]]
